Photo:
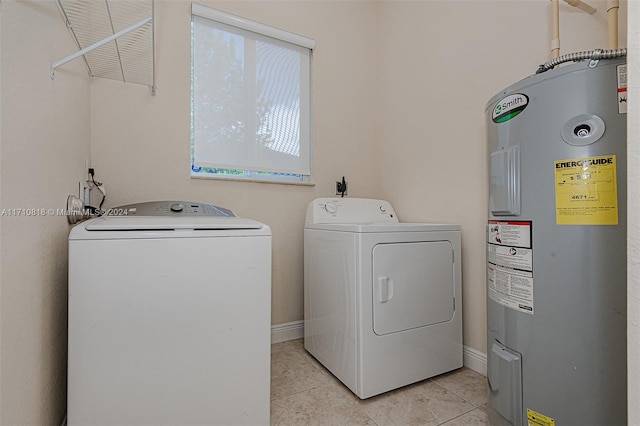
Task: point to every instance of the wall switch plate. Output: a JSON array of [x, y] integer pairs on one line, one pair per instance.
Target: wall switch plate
[[87, 165], [87, 196], [84, 193]]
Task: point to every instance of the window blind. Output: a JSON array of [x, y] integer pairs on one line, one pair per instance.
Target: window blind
[[250, 95]]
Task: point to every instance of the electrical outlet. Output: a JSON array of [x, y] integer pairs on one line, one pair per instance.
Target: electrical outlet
[[341, 187]]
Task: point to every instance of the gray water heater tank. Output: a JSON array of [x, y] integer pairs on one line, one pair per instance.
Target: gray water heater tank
[[556, 247]]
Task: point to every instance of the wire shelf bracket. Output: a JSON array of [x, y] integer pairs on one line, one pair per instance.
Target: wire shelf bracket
[[115, 38]]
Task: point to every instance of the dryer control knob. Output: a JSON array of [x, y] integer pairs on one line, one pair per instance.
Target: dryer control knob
[[331, 207]]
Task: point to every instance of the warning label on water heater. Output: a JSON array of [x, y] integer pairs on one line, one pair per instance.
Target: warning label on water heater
[[586, 191], [510, 264], [622, 88]]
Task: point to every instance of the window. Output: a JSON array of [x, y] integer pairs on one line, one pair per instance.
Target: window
[[250, 99]]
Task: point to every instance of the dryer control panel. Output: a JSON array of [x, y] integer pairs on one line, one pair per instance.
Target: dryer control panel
[[350, 210]]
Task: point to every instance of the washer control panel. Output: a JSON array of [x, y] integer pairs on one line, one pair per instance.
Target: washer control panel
[[172, 208], [350, 210]]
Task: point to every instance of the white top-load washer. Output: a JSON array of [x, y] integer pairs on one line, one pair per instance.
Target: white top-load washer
[[169, 317], [382, 299]]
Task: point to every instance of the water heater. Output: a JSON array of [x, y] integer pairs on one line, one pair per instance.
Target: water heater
[[556, 247]]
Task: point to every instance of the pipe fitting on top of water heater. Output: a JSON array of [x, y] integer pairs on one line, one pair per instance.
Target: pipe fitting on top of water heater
[[612, 15], [593, 55], [582, 6], [612, 12], [555, 21]]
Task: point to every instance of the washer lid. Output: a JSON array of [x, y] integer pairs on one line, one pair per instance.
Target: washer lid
[[164, 223], [144, 227], [383, 227]]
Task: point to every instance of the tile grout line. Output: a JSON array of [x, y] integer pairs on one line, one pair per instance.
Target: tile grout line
[[458, 416]]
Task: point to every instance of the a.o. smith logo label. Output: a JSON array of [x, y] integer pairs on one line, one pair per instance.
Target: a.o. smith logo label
[[509, 106]]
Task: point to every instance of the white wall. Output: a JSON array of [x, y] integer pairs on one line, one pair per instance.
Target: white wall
[[633, 253], [140, 143], [44, 143]]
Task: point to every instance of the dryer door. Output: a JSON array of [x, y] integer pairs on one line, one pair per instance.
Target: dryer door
[[413, 285]]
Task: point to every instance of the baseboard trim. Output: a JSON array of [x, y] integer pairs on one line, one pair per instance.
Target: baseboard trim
[[287, 331], [475, 360]]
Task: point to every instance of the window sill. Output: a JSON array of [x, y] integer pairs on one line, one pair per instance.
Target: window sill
[[254, 180]]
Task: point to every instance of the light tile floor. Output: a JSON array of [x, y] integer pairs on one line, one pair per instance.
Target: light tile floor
[[303, 392]]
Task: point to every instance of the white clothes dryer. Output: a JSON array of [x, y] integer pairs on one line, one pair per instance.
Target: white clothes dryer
[[169, 317], [382, 299]]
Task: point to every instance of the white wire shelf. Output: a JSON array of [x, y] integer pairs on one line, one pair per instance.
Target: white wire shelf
[[115, 38]]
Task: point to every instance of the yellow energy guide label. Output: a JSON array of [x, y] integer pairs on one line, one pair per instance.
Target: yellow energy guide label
[[586, 191], [537, 419]]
